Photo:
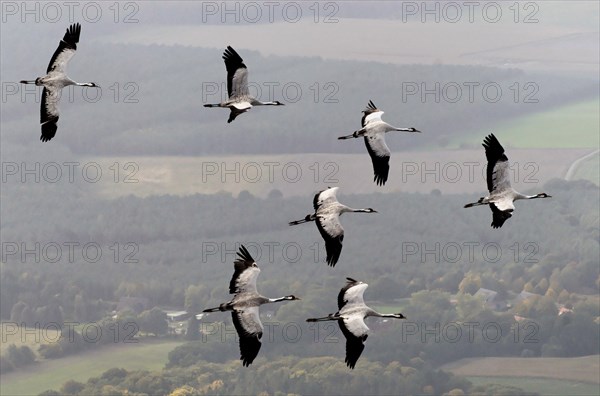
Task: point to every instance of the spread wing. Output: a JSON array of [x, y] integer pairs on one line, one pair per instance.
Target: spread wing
[[355, 332], [249, 328], [499, 216], [380, 156], [66, 49], [245, 273], [237, 73], [370, 113], [325, 197], [352, 293], [332, 232], [49, 113], [498, 177]]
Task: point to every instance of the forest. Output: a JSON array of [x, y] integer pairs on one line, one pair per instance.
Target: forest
[[444, 101], [176, 252], [95, 267]]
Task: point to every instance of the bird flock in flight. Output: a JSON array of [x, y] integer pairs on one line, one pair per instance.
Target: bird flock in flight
[[245, 304]]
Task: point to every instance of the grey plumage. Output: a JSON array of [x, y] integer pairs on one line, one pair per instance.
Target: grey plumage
[[501, 195], [350, 316], [56, 79], [245, 305], [240, 100], [327, 217], [373, 130]]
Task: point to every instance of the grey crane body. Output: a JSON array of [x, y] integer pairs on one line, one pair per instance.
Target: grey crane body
[[240, 100], [56, 79], [327, 217], [501, 195], [373, 131], [350, 317], [244, 305]]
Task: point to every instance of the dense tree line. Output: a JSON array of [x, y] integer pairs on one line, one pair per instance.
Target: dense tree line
[[178, 267], [283, 376], [15, 357], [332, 92], [552, 251]]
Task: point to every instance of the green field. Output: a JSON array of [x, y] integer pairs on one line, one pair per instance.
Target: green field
[[18, 336], [571, 126], [184, 175], [584, 369], [543, 386], [51, 374]]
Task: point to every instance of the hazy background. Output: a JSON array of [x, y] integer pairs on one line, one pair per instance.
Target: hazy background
[[167, 189]]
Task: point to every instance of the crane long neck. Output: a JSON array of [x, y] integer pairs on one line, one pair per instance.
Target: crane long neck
[[389, 128], [523, 196], [274, 300], [388, 316], [372, 312], [345, 209]]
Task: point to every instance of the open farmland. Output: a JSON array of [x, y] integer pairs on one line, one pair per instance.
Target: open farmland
[[51, 374], [585, 369], [450, 171]]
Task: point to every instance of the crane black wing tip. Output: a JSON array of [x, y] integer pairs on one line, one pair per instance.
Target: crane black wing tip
[[73, 33], [491, 141], [230, 50], [379, 180], [49, 129], [231, 55], [244, 254], [74, 28], [499, 217], [381, 177], [333, 258]]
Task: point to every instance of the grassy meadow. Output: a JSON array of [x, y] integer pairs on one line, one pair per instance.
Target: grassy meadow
[[51, 374]]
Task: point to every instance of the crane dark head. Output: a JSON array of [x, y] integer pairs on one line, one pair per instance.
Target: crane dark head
[[278, 103], [291, 297], [370, 210], [399, 316], [414, 130], [92, 84], [543, 195]]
